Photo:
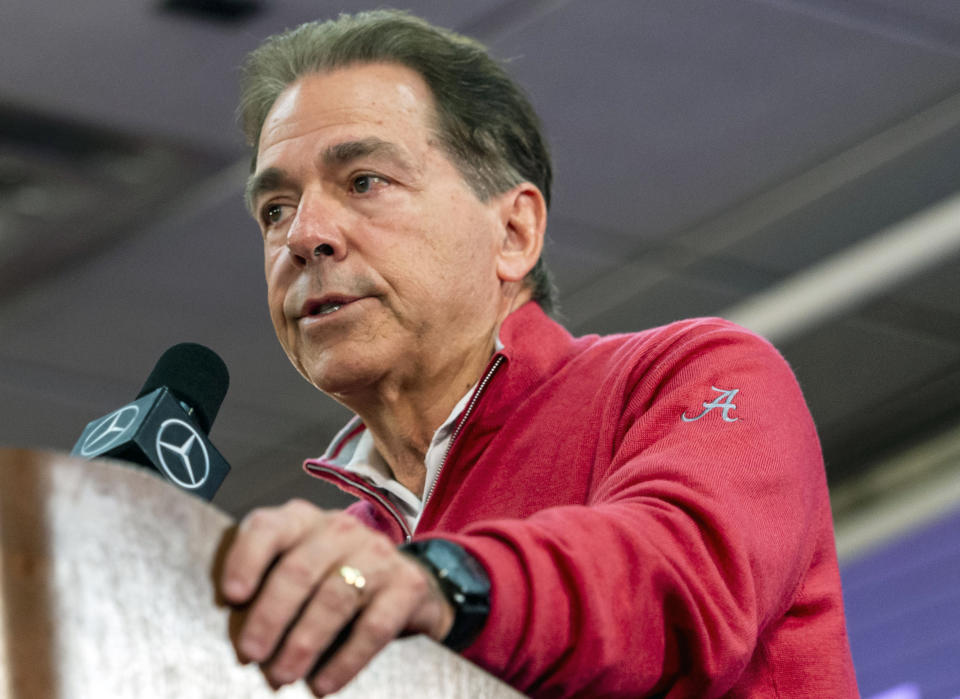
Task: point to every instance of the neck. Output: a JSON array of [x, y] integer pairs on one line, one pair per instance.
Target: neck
[[403, 419], [403, 414]]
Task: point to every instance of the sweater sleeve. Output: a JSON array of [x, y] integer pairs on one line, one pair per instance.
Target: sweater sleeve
[[706, 504]]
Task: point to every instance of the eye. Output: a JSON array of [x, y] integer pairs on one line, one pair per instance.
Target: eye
[[271, 214], [362, 184]]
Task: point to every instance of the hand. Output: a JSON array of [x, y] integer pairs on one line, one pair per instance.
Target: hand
[[286, 562]]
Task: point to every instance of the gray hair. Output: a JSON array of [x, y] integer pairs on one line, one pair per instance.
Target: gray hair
[[484, 121]]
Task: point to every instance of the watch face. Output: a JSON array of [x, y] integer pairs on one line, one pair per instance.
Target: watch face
[[456, 568]]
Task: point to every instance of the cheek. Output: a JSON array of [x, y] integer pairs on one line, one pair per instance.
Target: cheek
[[472, 262], [285, 330], [276, 291]]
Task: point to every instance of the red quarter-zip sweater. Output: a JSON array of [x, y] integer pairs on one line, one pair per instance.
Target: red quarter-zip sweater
[[651, 509]]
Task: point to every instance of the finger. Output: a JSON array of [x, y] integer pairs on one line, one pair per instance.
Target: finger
[[330, 609], [409, 601], [290, 585], [335, 601], [293, 580], [380, 622], [261, 536]]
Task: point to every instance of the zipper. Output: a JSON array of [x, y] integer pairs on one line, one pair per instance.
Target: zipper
[[466, 416], [387, 505]]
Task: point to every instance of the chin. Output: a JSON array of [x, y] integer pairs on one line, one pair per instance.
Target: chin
[[342, 376]]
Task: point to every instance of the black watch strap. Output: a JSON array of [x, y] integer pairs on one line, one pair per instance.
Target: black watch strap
[[463, 582]]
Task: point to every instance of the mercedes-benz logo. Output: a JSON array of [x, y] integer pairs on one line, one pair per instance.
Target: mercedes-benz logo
[[182, 454], [109, 430]]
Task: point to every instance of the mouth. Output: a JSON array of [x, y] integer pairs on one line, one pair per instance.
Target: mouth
[[326, 305]]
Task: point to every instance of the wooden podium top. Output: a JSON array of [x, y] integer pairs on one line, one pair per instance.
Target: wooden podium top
[[106, 575]]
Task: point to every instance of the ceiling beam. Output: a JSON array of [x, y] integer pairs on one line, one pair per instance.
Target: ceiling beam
[[853, 276]]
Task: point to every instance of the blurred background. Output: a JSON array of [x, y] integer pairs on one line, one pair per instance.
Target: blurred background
[[793, 165]]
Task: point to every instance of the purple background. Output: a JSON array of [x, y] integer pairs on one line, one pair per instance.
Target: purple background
[[903, 614]]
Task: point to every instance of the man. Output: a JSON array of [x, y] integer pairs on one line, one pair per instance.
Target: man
[[623, 516]]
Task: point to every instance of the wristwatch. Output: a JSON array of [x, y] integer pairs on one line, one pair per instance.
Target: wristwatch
[[463, 582]]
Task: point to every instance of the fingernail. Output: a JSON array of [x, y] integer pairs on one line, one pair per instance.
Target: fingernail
[[322, 686], [283, 675], [234, 588], [252, 648]]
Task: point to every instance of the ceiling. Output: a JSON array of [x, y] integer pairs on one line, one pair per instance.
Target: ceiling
[[709, 156]]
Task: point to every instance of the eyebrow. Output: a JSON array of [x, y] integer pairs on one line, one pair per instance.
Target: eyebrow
[[342, 153], [264, 181], [336, 155]]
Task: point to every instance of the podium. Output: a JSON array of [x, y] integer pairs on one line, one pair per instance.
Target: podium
[[107, 592]]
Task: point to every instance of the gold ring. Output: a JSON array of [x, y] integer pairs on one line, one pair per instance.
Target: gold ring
[[353, 577]]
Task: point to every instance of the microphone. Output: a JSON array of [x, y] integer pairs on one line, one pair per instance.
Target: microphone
[[165, 428]]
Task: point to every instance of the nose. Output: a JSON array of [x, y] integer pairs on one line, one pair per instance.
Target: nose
[[314, 233]]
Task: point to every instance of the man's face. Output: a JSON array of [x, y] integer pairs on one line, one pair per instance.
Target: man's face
[[380, 260]]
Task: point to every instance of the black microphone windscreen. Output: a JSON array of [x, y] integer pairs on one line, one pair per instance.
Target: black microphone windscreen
[[196, 375]]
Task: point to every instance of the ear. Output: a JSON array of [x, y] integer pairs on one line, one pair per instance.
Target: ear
[[523, 215]]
